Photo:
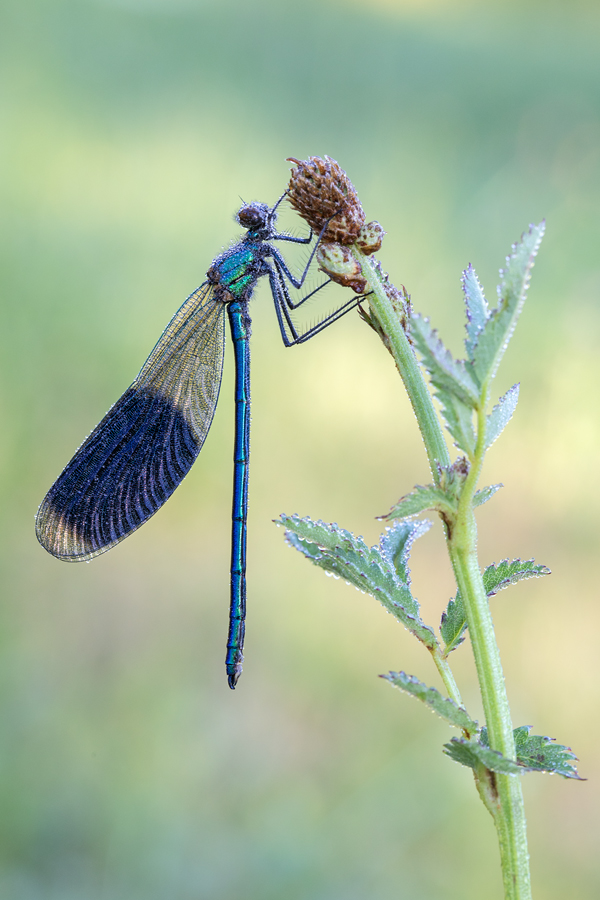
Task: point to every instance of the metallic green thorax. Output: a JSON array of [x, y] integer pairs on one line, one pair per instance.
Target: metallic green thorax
[[237, 270]]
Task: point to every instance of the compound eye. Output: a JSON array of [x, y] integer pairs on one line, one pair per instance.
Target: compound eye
[[253, 216]]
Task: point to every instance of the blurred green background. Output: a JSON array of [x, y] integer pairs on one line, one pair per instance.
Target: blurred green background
[[130, 129]]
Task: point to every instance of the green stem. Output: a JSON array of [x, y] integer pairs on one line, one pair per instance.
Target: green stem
[[501, 794], [509, 812], [447, 676], [418, 393]]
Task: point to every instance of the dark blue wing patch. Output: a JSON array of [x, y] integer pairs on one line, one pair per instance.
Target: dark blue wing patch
[[146, 443], [127, 468]]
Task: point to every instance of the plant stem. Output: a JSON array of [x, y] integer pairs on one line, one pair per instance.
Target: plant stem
[[509, 809], [447, 676], [418, 393], [501, 794], [509, 814]]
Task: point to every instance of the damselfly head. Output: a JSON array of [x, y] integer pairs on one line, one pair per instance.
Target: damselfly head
[[256, 217]]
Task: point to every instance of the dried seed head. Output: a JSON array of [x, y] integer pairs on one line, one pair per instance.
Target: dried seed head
[[320, 189], [337, 262]]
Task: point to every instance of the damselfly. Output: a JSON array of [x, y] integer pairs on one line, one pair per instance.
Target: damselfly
[[147, 442]]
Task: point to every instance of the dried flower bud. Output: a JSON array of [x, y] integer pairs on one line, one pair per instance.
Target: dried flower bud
[[400, 300], [319, 190], [337, 262], [370, 237]]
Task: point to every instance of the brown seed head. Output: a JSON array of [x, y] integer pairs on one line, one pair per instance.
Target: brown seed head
[[320, 189]]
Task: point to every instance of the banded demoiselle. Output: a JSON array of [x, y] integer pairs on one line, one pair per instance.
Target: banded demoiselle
[[147, 442]]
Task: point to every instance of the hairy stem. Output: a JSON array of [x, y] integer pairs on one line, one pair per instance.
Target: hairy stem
[[447, 676], [509, 809], [418, 393]]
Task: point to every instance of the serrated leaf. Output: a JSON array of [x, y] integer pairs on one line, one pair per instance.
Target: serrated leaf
[[543, 754], [446, 373], [381, 571], [423, 497], [501, 415], [500, 575], [396, 542], [477, 308], [536, 753], [473, 754], [453, 625], [496, 577], [482, 496], [443, 706], [492, 340], [459, 421]]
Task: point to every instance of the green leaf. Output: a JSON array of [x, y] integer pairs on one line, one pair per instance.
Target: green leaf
[[477, 308], [447, 374], [396, 543], [501, 415], [380, 571], [456, 388], [499, 576], [482, 496], [453, 624], [491, 341], [496, 577], [542, 754], [423, 497], [459, 421], [443, 706], [473, 754], [536, 753]]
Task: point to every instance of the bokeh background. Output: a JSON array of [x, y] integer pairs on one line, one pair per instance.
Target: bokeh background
[[130, 129]]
